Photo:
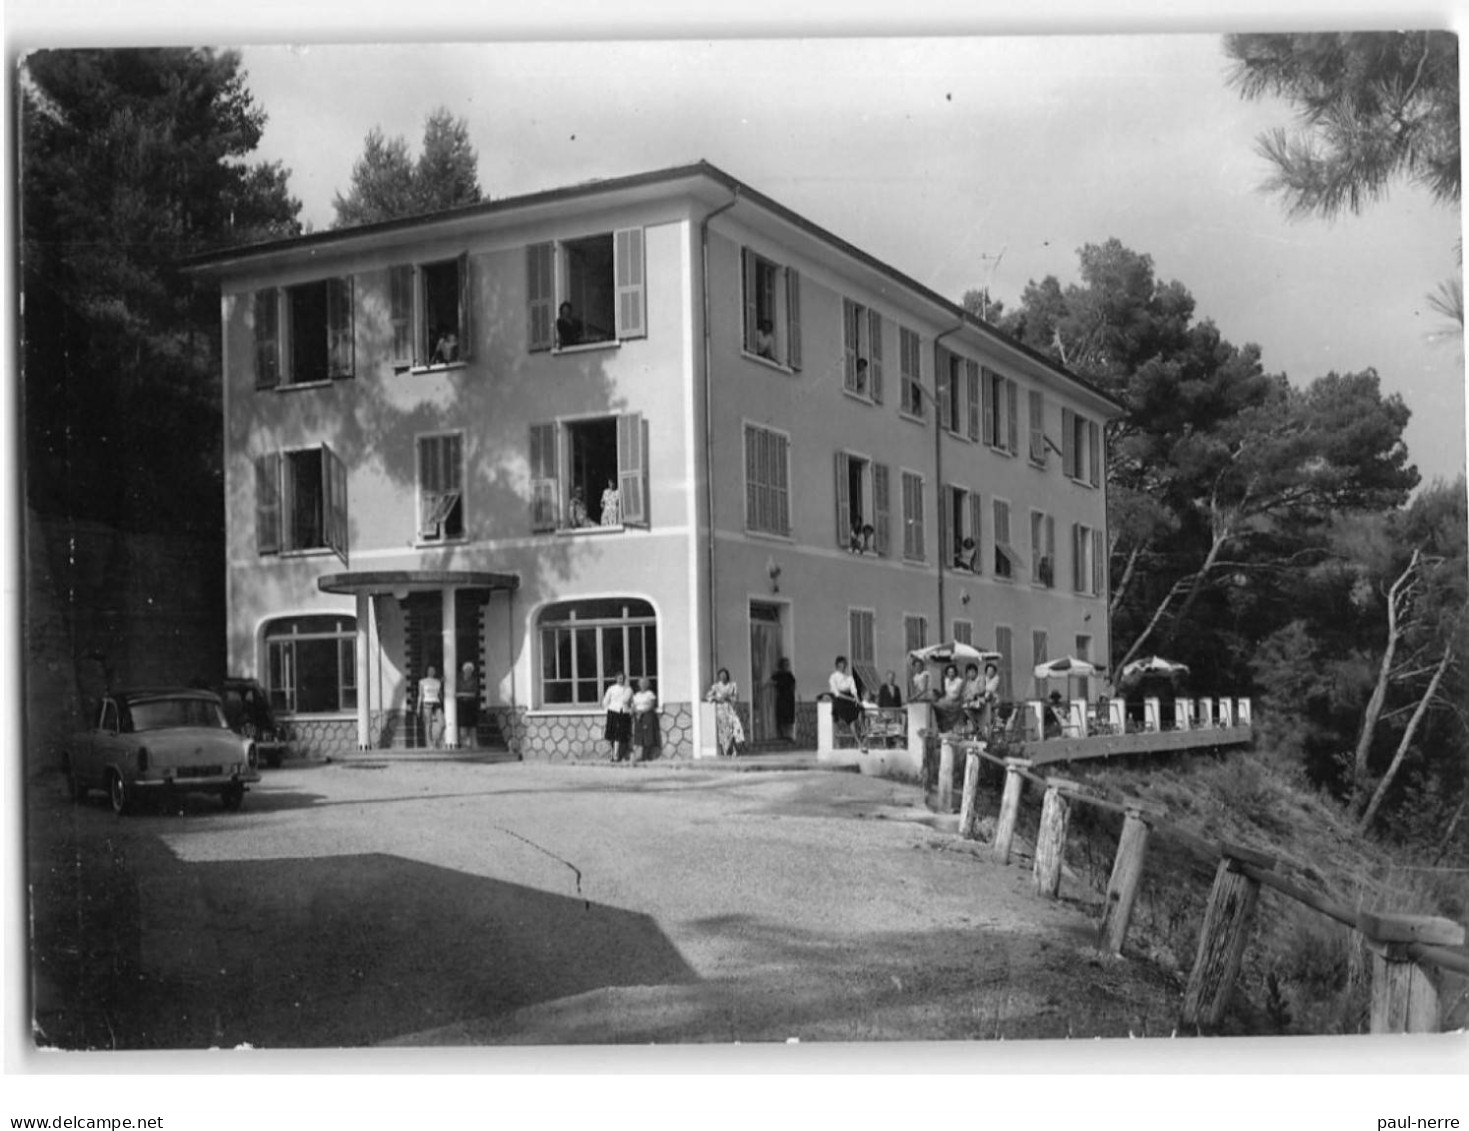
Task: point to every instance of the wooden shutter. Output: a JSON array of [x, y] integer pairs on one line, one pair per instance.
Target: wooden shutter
[[540, 289], [267, 339], [627, 254], [1099, 564], [989, 406], [334, 487], [948, 537], [752, 478], [466, 308], [400, 312], [1078, 557], [964, 631], [1037, 543], [874, 347], [844, 503], [971, 379], [1004, 645], [778, 476], [632, 469], [976, 528], [919, 549], [1051, 548], [1094, 452], [849, 345], [881, 509], [544, 476], [1037, 426], [941, 383], [1012, 417], [748, 266], [422, 348], [268, 503], [1068, 443], [341, 348], [793, 318]]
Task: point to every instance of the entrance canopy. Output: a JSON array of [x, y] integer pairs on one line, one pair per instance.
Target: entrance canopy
[[399, 582]]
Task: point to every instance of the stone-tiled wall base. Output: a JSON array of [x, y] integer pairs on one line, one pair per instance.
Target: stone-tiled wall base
[[806, 725], [562, 738], [321, 738]]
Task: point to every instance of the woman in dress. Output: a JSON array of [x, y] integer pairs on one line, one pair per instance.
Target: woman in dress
[[846, 707], [645, 734], [948, 710], [611, 505], [728, 730], [920, 683], [618, 702]]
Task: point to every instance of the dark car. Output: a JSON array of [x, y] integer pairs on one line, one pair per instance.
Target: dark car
[[247, 708]]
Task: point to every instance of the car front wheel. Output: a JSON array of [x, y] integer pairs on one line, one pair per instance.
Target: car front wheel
[[118, 792], [233, 797]]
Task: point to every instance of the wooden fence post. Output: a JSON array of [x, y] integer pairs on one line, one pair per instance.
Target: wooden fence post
[[946, 776], [1404, 995], [1009, 807], [1050, 841], [969, 807], [1222, 937], [1127, 874]]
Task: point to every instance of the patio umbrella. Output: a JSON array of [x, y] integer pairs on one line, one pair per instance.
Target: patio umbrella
[[953, 652], [1068, 667], [1153, 666]]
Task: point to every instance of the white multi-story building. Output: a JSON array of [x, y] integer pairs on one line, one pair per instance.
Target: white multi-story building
[[659, 424]]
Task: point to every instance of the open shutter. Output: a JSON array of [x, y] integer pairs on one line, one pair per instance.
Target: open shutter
[[1099, 564], [422, 347], [941, 380], [989, 407], [793, 318], [971, 379], [340, 345], [1068, 442], [844, 503], [1037, 543], [920, 550], [781, 489], [544, 488], [267, 339], [1078, 557], [752, 316], [1012, 417], [874, 347], [849, 345], [948, 537], [400, 312], [1094, 452], [754, 483], [1050, 577], [541, 292], [627, 254], [334, 481], [881, 509], [632, 469], [1037, 426], [268, 503], [466, 308], [976, 528]]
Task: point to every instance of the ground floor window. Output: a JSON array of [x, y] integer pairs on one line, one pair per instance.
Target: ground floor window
[[584, 644], [311, 664]]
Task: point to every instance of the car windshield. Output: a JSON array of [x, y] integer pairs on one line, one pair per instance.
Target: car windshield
[[156, 714]]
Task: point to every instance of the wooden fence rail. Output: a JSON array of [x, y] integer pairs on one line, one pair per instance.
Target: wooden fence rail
[[1406, 949]]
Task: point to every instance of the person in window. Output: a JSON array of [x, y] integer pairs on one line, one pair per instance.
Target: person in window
[[431, 707], [920, 682], [645, 735], [618, 704], [846, 705], [860, 384], [576, 512], [785, 700], [964, 558], [729, 732], [568, 327], [765, 339], [466, 698], [446, 349], [611, 505]]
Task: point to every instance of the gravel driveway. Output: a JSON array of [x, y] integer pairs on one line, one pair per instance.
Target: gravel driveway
[[419, 903]]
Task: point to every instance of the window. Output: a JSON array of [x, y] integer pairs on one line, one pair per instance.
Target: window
[[862, 648], [767, 481], [1083, 652], [911, 362], [861, 351], [1005, 646], [863, 517], [1039, 654], [772, 300], [587, 290], [913, 547], [1089, 561], [1007, 562], [303, 334], [440, 487], [584, 644], [301, 502], [915, 632], [964, 631], [1042, 549], [1081, 448], [400, 314], [951, 391], [959, 528], [1001, 413], [590, 473], [1037, 428], [971, 383], [311, 664]]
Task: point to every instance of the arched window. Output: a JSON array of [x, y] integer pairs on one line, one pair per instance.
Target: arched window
[[584, 644], [311, 664]]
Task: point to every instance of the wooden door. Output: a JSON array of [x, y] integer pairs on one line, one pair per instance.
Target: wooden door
[[765, 652]]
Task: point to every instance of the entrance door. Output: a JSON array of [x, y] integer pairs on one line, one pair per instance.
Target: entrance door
[[766, 648]]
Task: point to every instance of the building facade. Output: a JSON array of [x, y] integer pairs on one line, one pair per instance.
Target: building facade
[[660, 425]]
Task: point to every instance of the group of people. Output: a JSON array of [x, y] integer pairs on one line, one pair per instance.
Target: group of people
[[632, 719], [431, 706], [971, 697], [578, 516]]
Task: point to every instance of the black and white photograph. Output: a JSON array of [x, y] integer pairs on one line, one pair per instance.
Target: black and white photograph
[[838, 552]]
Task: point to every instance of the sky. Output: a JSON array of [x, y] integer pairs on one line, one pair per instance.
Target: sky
[[962, 161]]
